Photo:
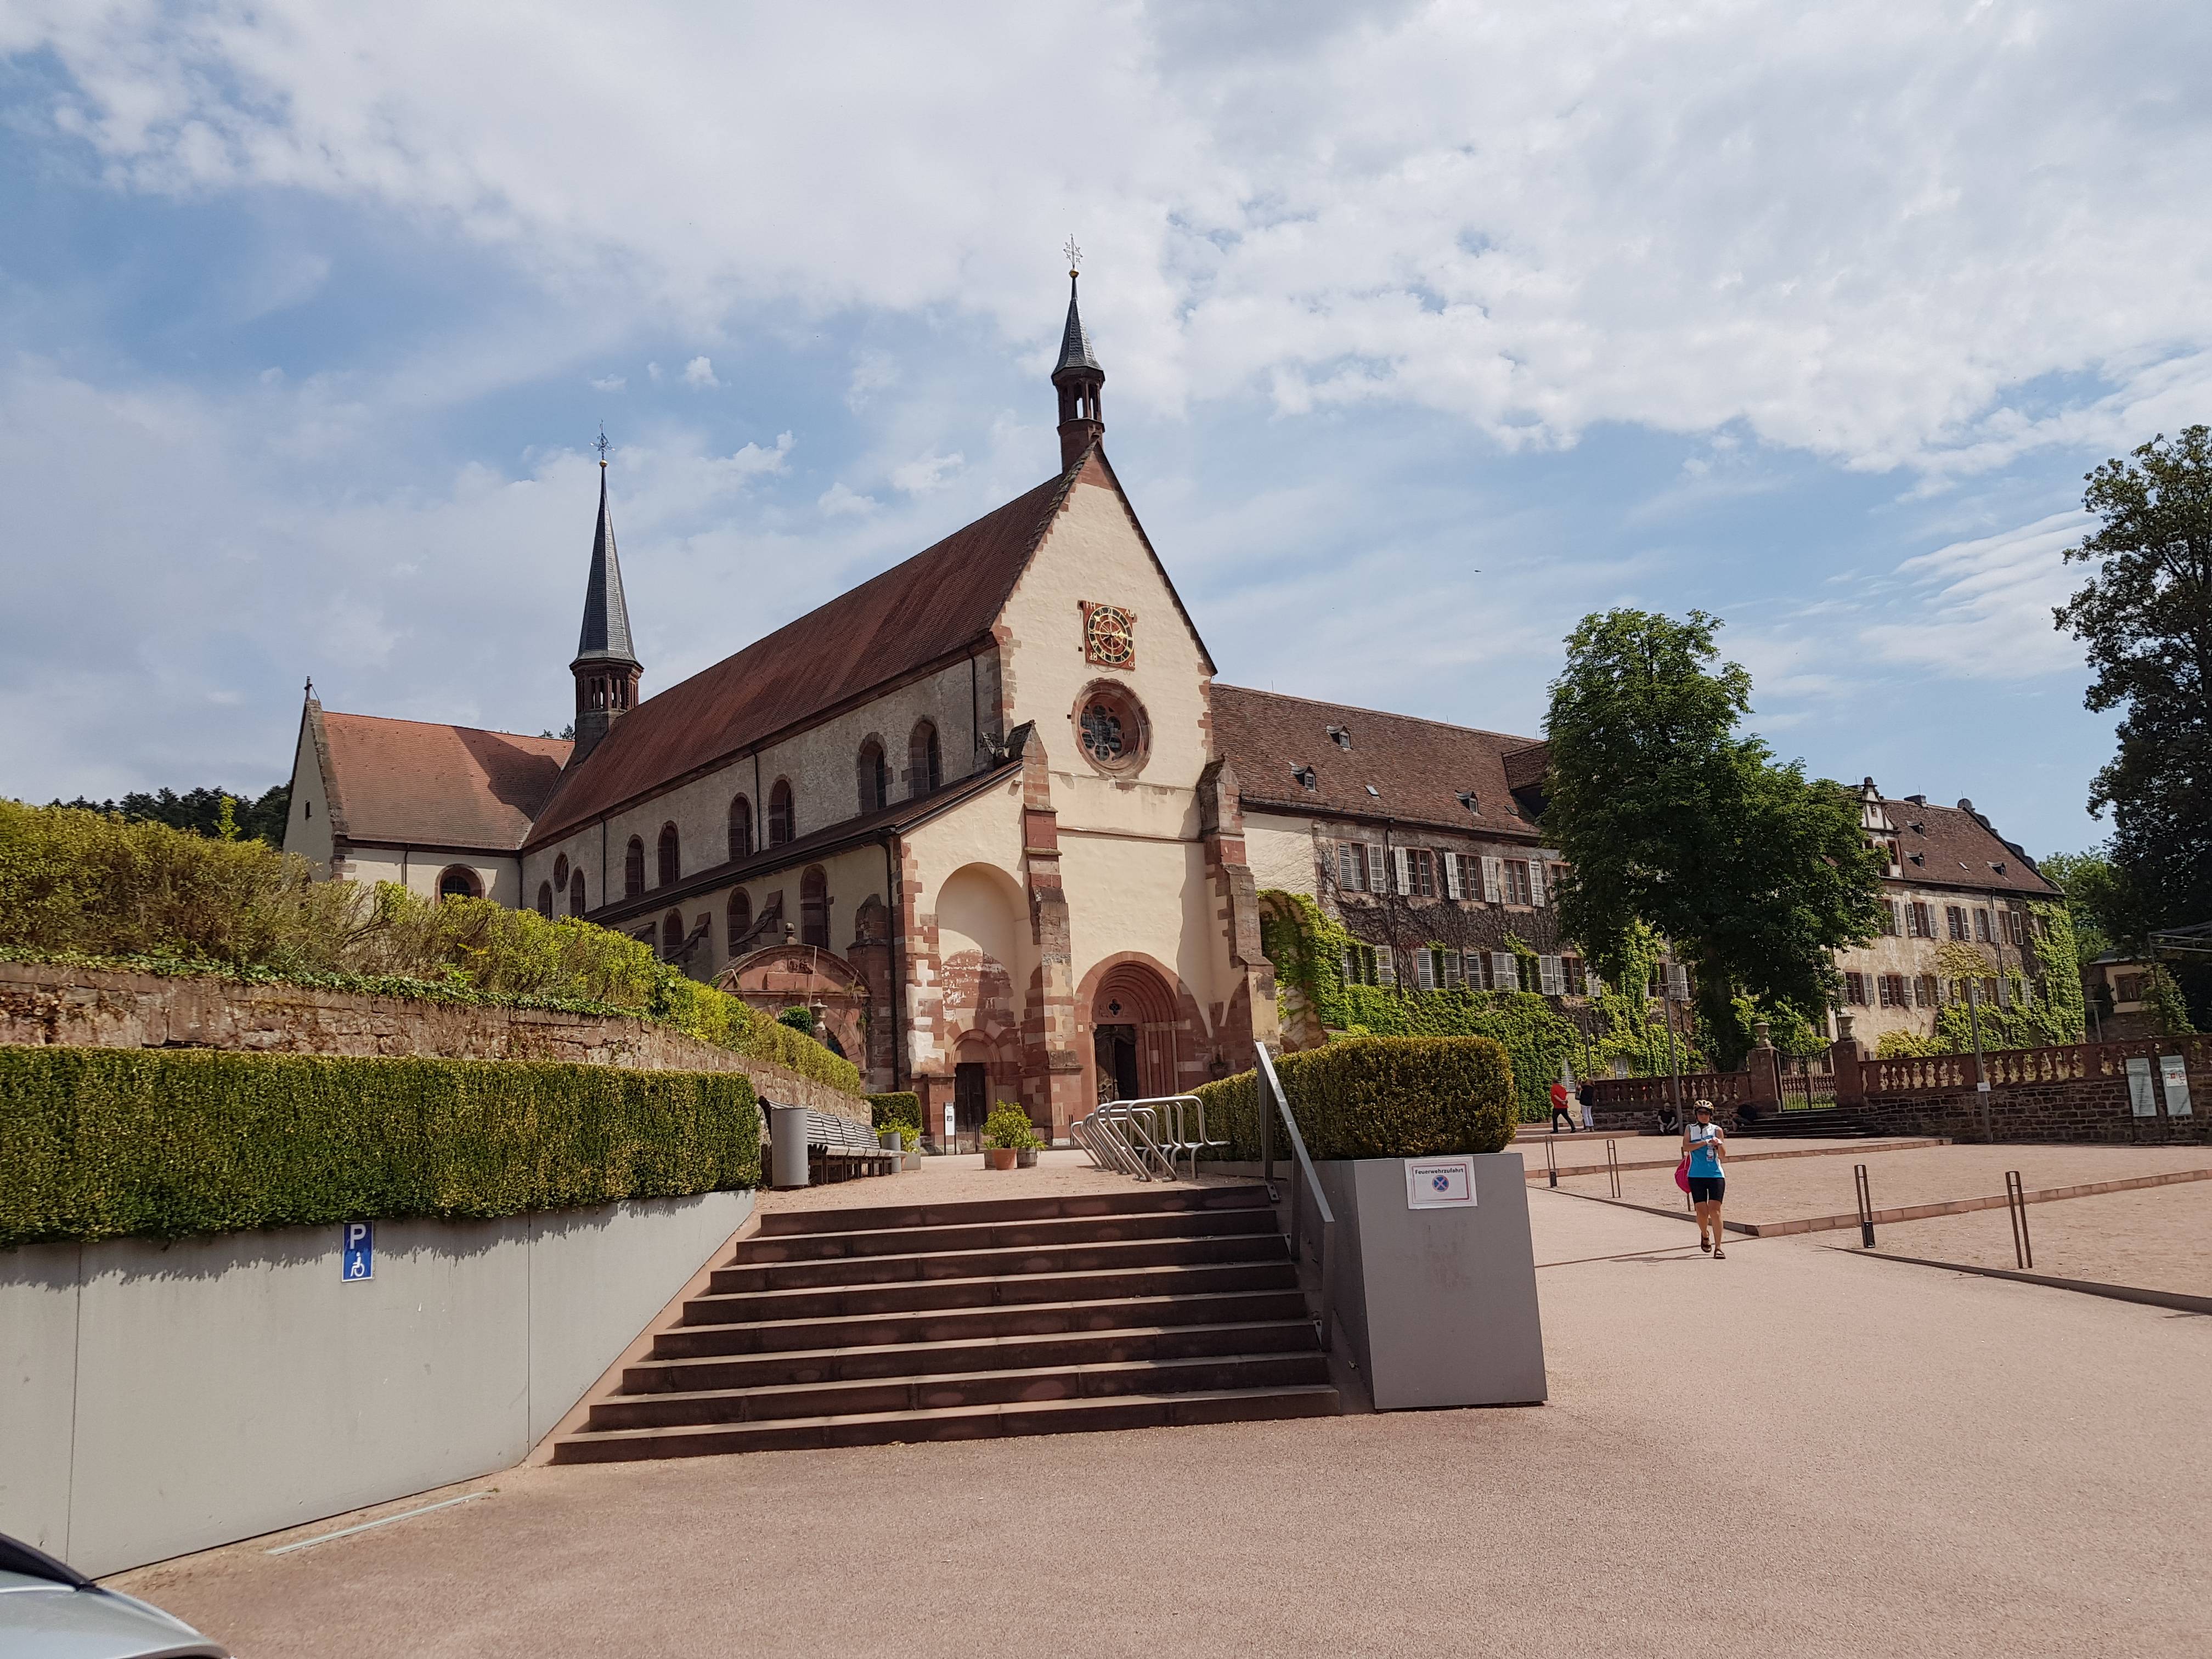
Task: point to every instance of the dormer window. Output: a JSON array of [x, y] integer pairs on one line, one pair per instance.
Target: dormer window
[[1999, 868], [1340, 736], [1919, 858], [1307, 777], [1467, 799]]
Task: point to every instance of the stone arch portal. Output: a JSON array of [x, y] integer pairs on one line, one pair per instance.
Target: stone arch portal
[[1134, 1036]]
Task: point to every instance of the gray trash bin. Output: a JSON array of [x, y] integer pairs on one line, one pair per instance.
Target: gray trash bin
[[786, 1134]]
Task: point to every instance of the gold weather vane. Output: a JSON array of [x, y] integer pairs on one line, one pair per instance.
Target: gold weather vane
[[1074, 255], [601, 446]]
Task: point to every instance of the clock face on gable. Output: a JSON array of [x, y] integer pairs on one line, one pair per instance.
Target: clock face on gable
[[1110, 636]]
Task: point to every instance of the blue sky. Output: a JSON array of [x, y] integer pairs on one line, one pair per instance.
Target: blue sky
[[1427, 329]]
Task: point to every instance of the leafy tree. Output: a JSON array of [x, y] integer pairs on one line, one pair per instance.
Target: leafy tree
[[2093, 897], [2145, 616], [1667, 817], [201, 811]]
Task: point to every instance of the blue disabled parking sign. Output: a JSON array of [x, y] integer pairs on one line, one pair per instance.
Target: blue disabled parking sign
[[357, 1242]]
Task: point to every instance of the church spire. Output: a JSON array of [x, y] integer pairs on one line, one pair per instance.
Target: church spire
[[1077, 378], [606, 666]]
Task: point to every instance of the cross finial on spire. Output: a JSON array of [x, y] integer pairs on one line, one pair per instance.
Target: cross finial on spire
[[601, 446], [1074, 255]]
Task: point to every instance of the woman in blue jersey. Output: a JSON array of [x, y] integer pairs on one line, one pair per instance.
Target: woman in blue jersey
[[1705, 1145]]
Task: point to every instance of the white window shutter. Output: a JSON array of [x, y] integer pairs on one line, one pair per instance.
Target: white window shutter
[[1347, 878], [1596, 986], [1424, 969], [1376, 881], [1451, 966], [1550, 976], [1493, 879], [1401, 859], [1386, 970], [1451, 875], [1536, 881], [1505, 971]]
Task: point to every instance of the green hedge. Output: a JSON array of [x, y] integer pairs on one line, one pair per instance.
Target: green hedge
[[116, 1143], [1378, 1097], [899, 1111]]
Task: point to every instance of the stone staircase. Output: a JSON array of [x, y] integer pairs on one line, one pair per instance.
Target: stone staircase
[[957, 1321]]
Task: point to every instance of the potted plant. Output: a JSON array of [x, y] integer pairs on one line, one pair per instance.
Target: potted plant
[[1006, 1134]]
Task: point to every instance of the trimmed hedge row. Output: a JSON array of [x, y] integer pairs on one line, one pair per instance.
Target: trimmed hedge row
[[900, 1110], [116, 1143], [1377, 1097]]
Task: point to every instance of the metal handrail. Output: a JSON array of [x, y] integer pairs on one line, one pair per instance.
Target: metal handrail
[[1307, 1179]]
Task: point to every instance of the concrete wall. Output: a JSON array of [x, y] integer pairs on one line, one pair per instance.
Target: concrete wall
[[42, 1003], [163, 1398]]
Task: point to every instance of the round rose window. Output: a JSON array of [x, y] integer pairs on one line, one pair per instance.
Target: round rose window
[[1102, 738], [1110, 725]]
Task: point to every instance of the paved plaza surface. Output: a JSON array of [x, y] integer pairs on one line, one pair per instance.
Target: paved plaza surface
[[1788, 1188], [2158, 1238], [1796, 1451]]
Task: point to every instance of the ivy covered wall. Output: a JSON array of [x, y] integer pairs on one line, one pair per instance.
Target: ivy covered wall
[[1538, 1033]]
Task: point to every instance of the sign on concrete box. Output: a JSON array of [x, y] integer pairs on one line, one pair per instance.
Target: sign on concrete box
[[357, 1250], [2173, 1072], [1436, 1184]]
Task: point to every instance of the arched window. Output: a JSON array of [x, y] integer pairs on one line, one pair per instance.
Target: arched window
[[924, 762], [576, 905], [740, 920], [741, 828], [814, 908], [561, 872], [671, 861], [875, 778], [458, 881], [633, 868], [781, 826], [545, 900], [671, 934]]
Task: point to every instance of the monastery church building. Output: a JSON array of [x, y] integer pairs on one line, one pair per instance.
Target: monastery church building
[[988, 813]]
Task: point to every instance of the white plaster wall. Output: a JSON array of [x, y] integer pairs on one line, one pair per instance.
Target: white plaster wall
[[160, 1399], [1093, 553], [985, 830], [1280, 852], [308, 822], [417, 869], [1131, 893], [822, 764]]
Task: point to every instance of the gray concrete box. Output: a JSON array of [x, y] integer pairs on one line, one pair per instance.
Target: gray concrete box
[[1439, 1304]]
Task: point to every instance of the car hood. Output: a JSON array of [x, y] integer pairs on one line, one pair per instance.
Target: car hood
[[39, 1620]]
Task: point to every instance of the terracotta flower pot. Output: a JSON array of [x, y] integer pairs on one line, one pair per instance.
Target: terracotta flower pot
[[999, 1157]]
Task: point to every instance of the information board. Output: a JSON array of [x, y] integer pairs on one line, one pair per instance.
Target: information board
[[2140, 1101], [2173, 1073], [1439, 1183]]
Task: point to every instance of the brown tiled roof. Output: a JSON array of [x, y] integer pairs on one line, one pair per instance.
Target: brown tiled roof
[[1525, 768], [1959, 849], [1417, 768], [939, 603], [412, 783]]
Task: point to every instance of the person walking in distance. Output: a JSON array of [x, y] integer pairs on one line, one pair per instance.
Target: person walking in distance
[[1705, 1144], [1560, 1112]]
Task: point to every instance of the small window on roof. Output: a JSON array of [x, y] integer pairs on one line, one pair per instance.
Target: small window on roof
[[1340, 736], [1373, 791], [1467, 799], [1306, 776]]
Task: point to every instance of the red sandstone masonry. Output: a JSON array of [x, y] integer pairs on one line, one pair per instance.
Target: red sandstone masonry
[[43, 1004]]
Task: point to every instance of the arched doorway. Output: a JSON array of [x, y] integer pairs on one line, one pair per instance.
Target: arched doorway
[[1133, 1035]]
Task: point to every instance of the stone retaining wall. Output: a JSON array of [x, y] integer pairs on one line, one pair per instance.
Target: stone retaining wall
[[44, 1003], [2093, 1109]]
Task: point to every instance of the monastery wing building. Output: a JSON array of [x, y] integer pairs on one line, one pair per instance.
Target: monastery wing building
[[987, 813]]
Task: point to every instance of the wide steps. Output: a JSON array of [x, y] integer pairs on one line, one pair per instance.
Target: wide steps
[[942, 1390], [1115, 1345], [952, 1324], [956, 1423], [1020, 1316]]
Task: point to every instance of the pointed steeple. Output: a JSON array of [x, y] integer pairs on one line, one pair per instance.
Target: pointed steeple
[[606, 665], [1079, 378]]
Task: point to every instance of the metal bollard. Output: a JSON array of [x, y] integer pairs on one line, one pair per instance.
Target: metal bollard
[[1552, 1161], [1865, 1196], [1613, 1167], [2023, 1249]]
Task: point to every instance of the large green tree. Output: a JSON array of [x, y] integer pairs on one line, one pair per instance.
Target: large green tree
[[1670, 815], [2145, 617], [201, 811]]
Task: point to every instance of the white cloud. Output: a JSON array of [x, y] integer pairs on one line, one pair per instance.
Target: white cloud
[[925, 473], [1984, 606], [700, 373], [1938, 237], [609, 383], [839, 501]]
